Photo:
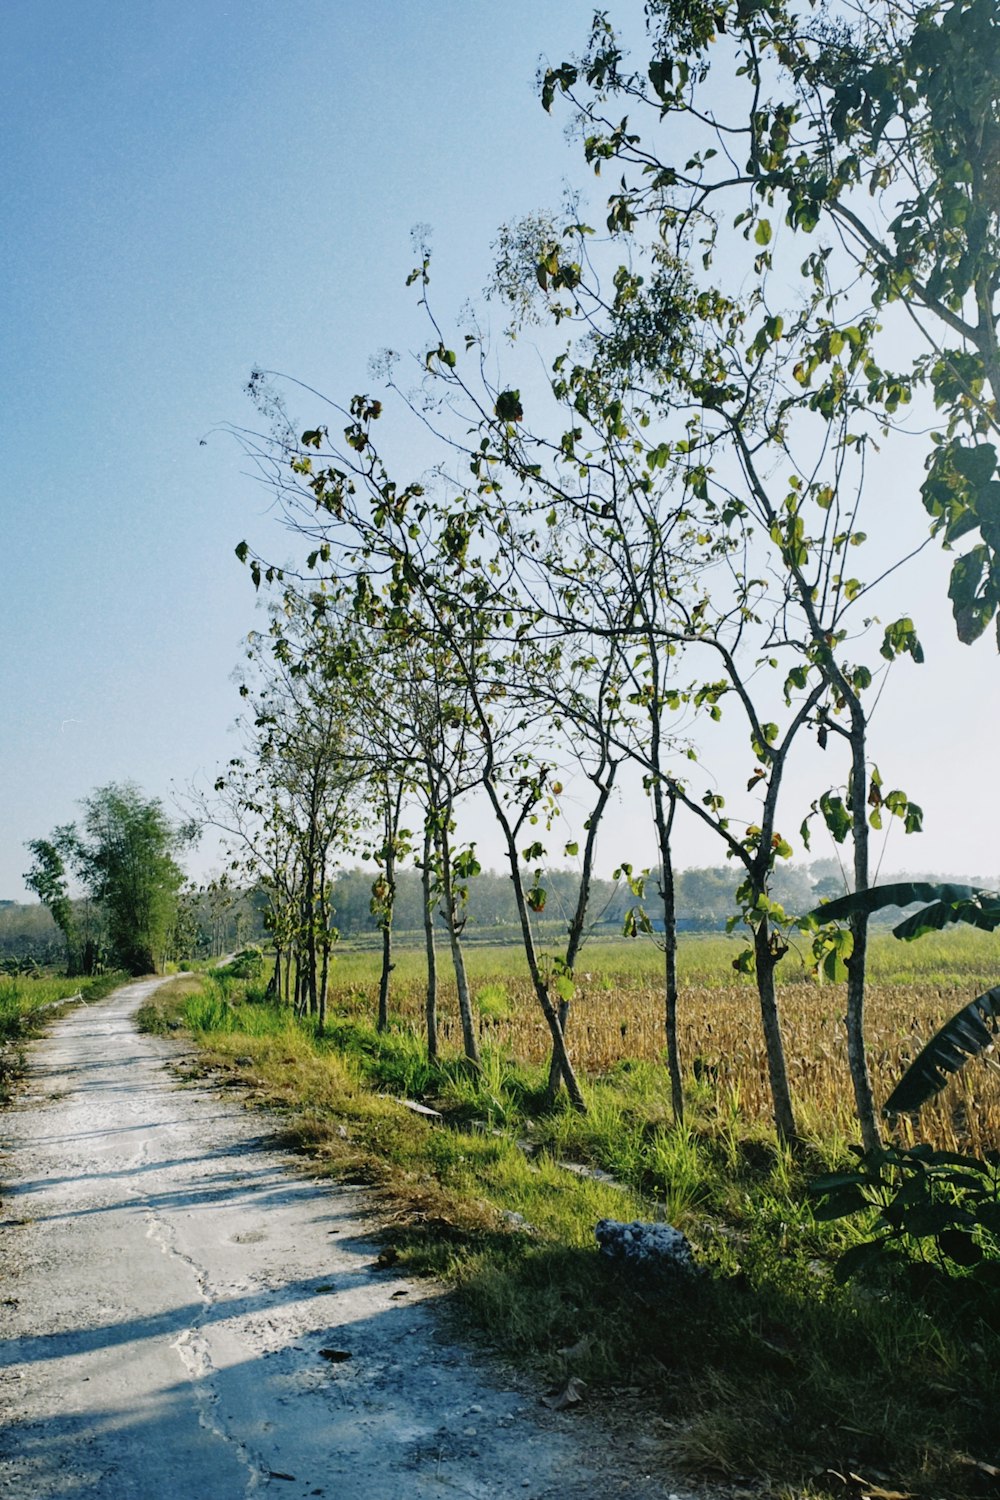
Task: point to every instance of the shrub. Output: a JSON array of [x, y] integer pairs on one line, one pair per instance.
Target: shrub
[[926, 1208], [247, 964]]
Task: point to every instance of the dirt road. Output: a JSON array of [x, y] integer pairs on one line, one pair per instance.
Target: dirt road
[[178, 1299]]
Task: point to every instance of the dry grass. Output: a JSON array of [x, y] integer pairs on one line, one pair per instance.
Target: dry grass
[[618, 1013]]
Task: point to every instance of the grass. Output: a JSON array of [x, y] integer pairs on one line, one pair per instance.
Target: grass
[[764, 1370], [162, 1014]]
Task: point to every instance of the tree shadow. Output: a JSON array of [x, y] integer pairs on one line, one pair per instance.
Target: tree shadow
[[402, 1414]]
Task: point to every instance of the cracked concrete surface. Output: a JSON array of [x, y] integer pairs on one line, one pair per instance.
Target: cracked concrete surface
[[169, 1282]]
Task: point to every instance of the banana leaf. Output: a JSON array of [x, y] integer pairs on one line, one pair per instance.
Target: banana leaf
[[945, 903], [971, 1031]]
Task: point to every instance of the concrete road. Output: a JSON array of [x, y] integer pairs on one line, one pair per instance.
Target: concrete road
[[170, 1282]]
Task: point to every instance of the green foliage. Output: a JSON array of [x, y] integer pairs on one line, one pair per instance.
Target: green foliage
[[765, 1365], [948, 903], [973, 1029], [880, 122], [123, 854], [493, 1002], [969, 1033], [247, 964], [933, 1209], [47, 878], [25, 1003]]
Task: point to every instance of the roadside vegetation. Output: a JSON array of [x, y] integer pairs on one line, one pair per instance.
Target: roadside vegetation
[[769, 1370]]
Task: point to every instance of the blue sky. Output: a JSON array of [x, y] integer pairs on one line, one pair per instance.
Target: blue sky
[[191, 189]]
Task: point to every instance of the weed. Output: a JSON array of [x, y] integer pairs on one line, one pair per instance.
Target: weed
[[493, 1002]]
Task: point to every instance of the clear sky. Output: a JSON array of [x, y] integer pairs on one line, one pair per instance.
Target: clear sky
[[191, 188]]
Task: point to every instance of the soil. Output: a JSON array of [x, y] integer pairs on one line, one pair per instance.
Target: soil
[[186, 1315]]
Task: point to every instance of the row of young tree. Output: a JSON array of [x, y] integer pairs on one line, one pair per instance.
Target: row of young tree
[[801, 252]]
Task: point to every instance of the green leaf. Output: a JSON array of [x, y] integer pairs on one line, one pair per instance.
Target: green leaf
[[762, 234], [834, 1180], [536, 898], [970, 1031], [856, 1260], [839, 1203], [508, 407], [835, 816], [900, 893]]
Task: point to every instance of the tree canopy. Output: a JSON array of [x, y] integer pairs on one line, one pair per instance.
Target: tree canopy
[[122, 852]]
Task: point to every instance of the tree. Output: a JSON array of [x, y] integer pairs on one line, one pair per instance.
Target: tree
[[878, 122], [300, 790], [123, 854], [47, 878], [735, 424], [792, 369]]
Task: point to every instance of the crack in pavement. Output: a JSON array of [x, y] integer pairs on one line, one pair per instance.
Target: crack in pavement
[[194, 1350]]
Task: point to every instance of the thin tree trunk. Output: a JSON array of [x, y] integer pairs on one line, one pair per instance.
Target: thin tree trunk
[[668, 896], [469, 1040], [857, 963], [542, 994], [579, 920], [527, 937], [324, 979], [430, 1004], [323, 916], [301, 988], [784, 1118], [385, 922], [309, 912], [383, 982], [555, 1066]]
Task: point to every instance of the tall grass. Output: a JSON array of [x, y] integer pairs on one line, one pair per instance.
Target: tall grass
[[22, 999]]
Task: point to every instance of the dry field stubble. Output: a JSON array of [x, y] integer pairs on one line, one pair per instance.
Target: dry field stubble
[[618, 1014]]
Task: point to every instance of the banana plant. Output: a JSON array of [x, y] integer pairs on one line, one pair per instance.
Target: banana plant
[[972, 1030]]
